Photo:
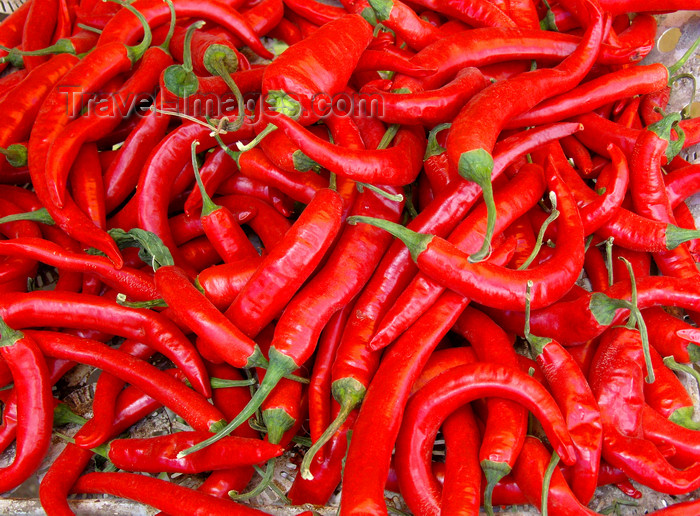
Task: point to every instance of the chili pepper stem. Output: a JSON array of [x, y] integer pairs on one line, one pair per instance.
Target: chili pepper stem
[[349, 394], [553, 215], [171, 30], [219, 67], [180, 79], [684, 58], [8, 336], [41, 215], [675, 236], [546, 481], [254, 142], [663, 128], [537, 344], [62, 415], [208, 206], [135, 52], [15, 154], [476, 165], [222, 383], [671, 363], [279, 366], [494, 472], [264, 484], [684, 417], [416, 242], [277, 422]]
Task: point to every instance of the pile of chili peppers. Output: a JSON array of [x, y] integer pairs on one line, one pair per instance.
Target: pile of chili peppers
[[384, 232]]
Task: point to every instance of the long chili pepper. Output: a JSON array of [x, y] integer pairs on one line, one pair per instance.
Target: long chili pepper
[[20, 108], [320, 384], [667, 395], [469, 146], [397, 165], [287, 156], [220, 224], [38, 29], [214, 329], [172, 498], [497, 286], [17, 267], [349, 267], [11, 29], [156, 454], [429, 107], [161, 167], [635, 80], [268, 223], [386, 59], [671, 336], [193, 407], [133, 282], [86, 184], [529, 473], [123, 28], [616, 379], [94, 125], [529, 185], [278, 278], [34, 404], [476, 14], [506, 423], [316, 12], [296, 74], [222, 283], [662, 432], [418, 483], [570, 389], [70, 310]]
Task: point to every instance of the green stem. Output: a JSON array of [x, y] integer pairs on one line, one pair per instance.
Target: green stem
[[255, 141], [62, 415], [221, 70], [379, 191], [675, 236], [416, 242], [476, 165], [8, 336], [15, 154], [671, 363], [684, 58], [208, 206], [494, 472], [389, 136], [349, 393], [153, 303], [536, 343], [136, 52], [41, 215], [547, 480], [88, 28], [540, 236], [267, 477], [171, 30], [279, 366], [222, 383], [434, 148], [608, 259]]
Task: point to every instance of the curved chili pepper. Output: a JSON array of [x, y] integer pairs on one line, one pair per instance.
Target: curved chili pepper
[[133, 282], [67, 309], [396, 166], [421, 292], [662, 432], [616, 379], [167, 496], [217, 167], [492, 285], [123, 28], [403, 20], [38, 29], [268, 223], [104, 119], [34, 405], [280, 275], [156, 454], [670, 335], [529, 474], [429, 108], [221, 337], [222, 283], [667, 395], [12, 28], [627, 82], [193, 407], [295, 73]]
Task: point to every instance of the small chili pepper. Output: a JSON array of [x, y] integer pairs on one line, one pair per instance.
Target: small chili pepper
[[670, 335], [171, 498]]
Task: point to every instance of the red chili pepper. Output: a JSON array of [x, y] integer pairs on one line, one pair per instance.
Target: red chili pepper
[[122, 26], [12, 29], [616, 379], [34, 405], [38, 30], [268, 223], [169, 497], [671, 336], [422, 291], [70, 310], [222, 283], [193, 407], [529, 473]]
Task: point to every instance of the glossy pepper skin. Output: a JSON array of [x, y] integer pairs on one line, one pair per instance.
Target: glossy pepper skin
[[34, 405]]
